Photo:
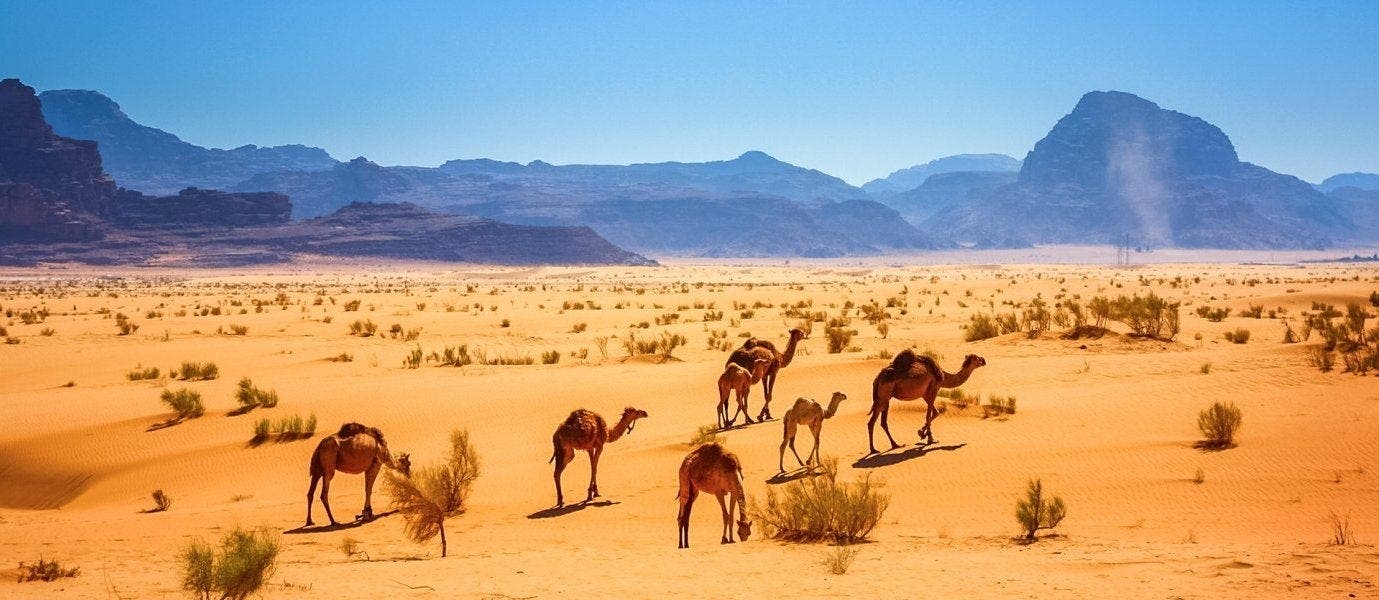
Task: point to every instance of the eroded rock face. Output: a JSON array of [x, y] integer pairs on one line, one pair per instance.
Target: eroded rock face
[[196, 208], [51, 187]]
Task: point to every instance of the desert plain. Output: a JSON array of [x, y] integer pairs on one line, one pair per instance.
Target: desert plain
[[1109, 424]]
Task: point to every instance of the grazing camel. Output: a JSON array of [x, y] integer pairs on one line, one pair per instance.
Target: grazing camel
[[808, 413], [711, 468], [911, 376], [736, 378], [754, 349], [354, 449], [584, 430]]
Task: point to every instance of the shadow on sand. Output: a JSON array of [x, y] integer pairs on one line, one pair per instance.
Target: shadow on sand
[[558, 511], [338, 526], [886, 459], [797, 474]]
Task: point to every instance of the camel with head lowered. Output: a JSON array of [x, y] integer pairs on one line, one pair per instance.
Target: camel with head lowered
[[354, 449], [754, 349], [911, 376], [585, 430], [711, 468]]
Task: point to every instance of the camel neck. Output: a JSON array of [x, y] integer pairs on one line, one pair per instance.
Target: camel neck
[[952, 380], [832, 409], [618, 430], [789, 354]]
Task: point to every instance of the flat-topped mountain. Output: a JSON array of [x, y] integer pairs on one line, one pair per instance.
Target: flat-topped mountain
[[154, 161], [1121, 165]]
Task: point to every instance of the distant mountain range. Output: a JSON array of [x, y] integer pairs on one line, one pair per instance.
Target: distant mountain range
[[1117, 166]]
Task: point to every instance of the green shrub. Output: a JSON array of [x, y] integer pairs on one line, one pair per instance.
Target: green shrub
[[197, 371], [457, 356], [822, 509], [435, 493], [142, 374], [248, 396], [982, 326], [1034, 513], [186, 403], [262, 428], [1215, 315], [706, 434], [1219, 424], [239, 330], [242, 566]]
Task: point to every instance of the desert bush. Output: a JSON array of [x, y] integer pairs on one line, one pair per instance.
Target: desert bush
[[1340, 530], [1199, 476], [364, 328], [1219, 424], [1239, 336], [1033, 512], [1205, 369], [451, 356], [550, 357], [1008, 322], [1374, 299], [838, 338], [243, 564], [239, 330], [706, 434], [435, 493], [1036, 318], [1253, 312], [820, 508], [839, 559], [262, 429], [579, 328], [982, 326], [883, 330], [667, 343], [1321, 358], [197, 371], [141, 374], [1215, 315], [186, 403], [413, 358], [248, 396], [350, 547], [1148, 316], [47, 332], [352, 305], [161, 501], [125, 326], [45, 570], [342, 357]]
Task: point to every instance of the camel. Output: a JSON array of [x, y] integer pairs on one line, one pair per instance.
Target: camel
[[911, 376], [354, 449], [754, 349], [711, 468], [585, 430], [808, 413], [736, 378]]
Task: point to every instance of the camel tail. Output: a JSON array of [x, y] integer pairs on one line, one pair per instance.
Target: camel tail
[[555, 441], [876, 393], [316, 470]]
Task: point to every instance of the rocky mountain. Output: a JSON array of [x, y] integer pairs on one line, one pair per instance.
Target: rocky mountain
[[753, 205], [1364, 181], [1120, 165], [157, 162], [944, 193], [197, 208], [910, 178]]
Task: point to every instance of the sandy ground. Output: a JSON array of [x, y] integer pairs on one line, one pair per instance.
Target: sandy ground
[[1110, 427]]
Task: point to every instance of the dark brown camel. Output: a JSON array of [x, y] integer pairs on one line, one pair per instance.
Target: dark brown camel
[[354, 449], [911, 376], [754, 349]]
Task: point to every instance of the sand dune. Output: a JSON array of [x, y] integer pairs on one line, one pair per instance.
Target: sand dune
[[1107, 423]]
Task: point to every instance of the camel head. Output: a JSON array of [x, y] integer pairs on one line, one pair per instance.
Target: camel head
[[837, 397], [759, 368], [798, 334], [403, 464], [973, 361], [744, 529], [630, 416]]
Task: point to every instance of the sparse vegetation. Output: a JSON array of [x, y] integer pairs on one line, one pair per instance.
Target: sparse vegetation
[[435, 493], [706, 434], [839, 559], [838, 338], [364, 328], [161, 501], [1340, 531], [1219, 425], [1034, 512], [45, 570], [822, 509], [1239, 336], [249, 396], [550, 357], [1205, 369], [139, 374], [243, 564], [196, 371], [186, 403]]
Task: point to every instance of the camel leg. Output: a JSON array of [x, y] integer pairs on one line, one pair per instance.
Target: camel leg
[[814, 456], [785, 439], [727, 521], [594, 472], [562, 460], [686, 504], [793, 451], [768, 384], [723, 422], [885, 413], [310, 499], [742, 396], [871, 430], [325, 496], [930, 413], [369, 477]]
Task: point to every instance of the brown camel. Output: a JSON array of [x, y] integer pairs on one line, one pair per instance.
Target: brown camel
[[911, 376], [584, 430], [740, 380], [711, 468], [354, 449], [754, 349], [808, 413]]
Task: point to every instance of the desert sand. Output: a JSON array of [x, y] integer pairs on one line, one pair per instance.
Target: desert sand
[[1108, 424]]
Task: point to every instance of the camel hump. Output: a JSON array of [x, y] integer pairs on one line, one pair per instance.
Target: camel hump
[[352, 429], [904, 360]]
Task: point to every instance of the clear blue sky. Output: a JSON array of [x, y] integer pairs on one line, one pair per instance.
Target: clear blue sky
[[856, 89]]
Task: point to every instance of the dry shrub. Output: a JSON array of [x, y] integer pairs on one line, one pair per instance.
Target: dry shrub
[[706, 434], [433, 494], [1219, 424], [838, 338], [242, 566], [45, 570], [1340, 530], [1035, 513], [161, 501], [820, 508], [1239, 336], [839, 559], [142, 374], [1321, 358], [983, 326], [186, 403], [550, 357]]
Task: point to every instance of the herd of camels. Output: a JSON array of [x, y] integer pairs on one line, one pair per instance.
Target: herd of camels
[[709, 468]]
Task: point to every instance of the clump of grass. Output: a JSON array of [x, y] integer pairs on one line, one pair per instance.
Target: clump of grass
[[706, 434], [839, 559], [1340, 530], [239, 330], [435, 493], [1239, 336], [350, 547], [45, 570], [579, 328], [262, 429], [352, 305], [550, 357], [243, 564], [141, 374], [1205, 369], [47, 332], [286, 429], [161, 501], [981, 327], [456, 356], [820, 508], [186, 403], [667, 343], [838, 338], [342, 357], [196, 371], [413, 358], [1218, 425], [1321, 358], [1033, 512], [249, 396], [1199, 476], [363, 328]]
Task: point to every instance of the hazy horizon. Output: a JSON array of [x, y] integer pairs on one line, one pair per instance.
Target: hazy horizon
[[856, 92]]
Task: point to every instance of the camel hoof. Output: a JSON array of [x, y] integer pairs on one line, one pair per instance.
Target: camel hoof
[[308, 524], [726, 541]]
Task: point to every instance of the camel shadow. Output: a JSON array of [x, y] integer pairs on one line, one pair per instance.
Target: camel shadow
[[559, 511], [795, 475], [737, 426], [338, 526], [872, 461]]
